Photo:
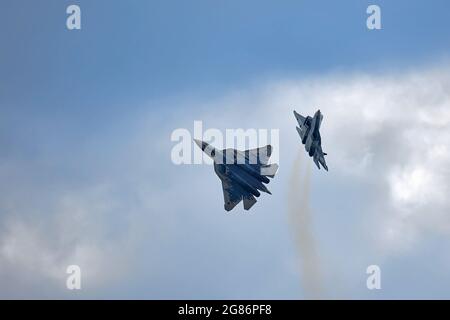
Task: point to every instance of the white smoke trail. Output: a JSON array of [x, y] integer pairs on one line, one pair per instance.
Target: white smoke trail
[[301, 223]]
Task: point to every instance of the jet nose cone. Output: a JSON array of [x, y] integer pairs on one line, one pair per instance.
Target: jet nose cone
[[203, 145], [207, 148], [199, 143]]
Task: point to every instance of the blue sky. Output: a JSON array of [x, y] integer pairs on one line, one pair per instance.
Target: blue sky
[[149, 49], [85, 123]]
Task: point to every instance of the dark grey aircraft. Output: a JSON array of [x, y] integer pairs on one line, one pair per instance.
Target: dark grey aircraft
[[309, 133], [243, 173]]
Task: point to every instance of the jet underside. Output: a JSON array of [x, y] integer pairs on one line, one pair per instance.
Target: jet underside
[[309, 132], [244, 174]]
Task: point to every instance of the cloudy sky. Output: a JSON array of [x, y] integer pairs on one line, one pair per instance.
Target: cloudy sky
[[86, 175]]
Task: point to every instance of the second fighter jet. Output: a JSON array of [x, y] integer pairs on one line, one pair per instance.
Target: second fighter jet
[[308, 130]]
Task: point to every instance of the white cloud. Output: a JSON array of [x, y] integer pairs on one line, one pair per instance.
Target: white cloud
[[388, 134], [38, 244], [391, 133]]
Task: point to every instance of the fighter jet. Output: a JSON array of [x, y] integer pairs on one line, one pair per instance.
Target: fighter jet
[[309, 133], [243, 173]]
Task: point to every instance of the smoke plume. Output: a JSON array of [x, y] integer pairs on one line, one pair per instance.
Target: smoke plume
[[301, 223]]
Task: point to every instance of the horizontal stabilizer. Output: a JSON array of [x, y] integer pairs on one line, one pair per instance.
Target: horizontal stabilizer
[[269, 170], [231, 197], [249, 201], [316, 161]]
